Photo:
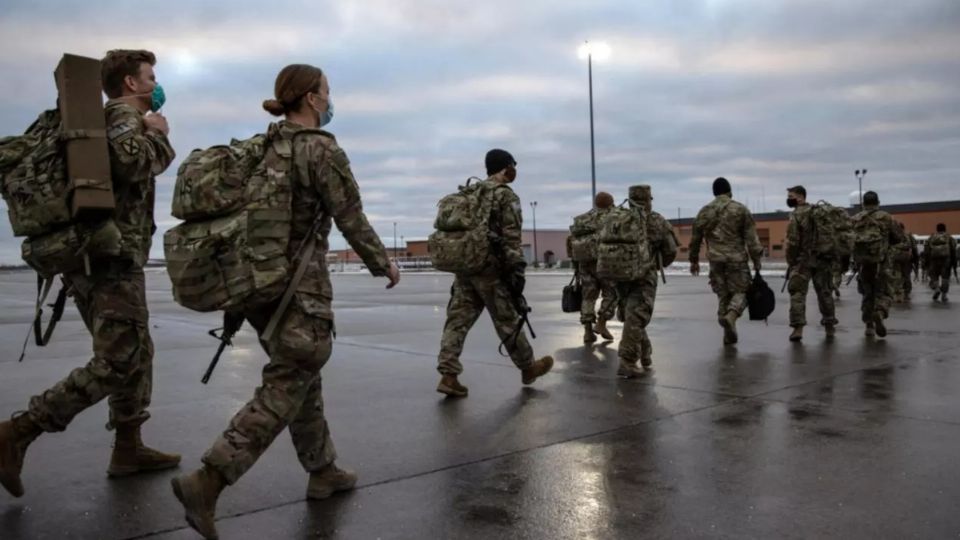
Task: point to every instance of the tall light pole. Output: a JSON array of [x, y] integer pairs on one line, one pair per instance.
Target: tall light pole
[[394, 239], [860, 174], [533, 205], [601, 51]]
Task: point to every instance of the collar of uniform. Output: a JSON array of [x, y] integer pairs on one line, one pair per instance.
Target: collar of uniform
[[723, 196], [119, 102]]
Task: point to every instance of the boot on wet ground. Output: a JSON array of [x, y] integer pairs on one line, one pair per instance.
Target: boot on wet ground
[[131, 456], [450, 386], [537, 369], [601, 328], [198, 493], [330, 480], [797, 334], [15, 435]]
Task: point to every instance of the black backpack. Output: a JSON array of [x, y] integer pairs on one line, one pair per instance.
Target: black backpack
[[760, 299]]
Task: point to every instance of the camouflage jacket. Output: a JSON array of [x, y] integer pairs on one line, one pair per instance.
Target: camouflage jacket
[[506, 226], [729, 231], [953, 248], [884, 222], [137, 156], [325, 187], [662, 241], [800, 236]]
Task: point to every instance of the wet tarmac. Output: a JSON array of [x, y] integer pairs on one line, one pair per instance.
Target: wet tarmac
[[849, 438]]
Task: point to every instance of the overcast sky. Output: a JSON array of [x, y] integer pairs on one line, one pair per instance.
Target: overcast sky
[[767, 93]]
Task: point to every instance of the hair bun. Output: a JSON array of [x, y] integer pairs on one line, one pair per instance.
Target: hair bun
[[274, 107]]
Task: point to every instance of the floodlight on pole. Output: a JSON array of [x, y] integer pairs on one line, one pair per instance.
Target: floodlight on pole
[[588, 51]]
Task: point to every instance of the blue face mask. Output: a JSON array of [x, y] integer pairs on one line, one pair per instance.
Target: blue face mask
[[157, 98], [326, 117]]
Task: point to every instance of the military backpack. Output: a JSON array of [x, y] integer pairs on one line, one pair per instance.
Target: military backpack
[[584, 237], [939, 246], [832, 231], [231, 252], [462, 242], [623, 253], [869, 239]]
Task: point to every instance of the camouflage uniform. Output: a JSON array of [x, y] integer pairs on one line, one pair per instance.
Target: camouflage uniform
[[873, 281], [469, 295], [906, 265], [731, 237], [940, 268], [639, 296], [112, 299], [290, 393], [806, 266], [593, 286]]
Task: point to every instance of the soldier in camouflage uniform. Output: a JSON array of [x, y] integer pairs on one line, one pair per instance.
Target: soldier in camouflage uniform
[[595, 322], [639, 296], [939, 267], [290, 396], [493, 289], [731, 237], [905, 260], [112, 298], [872, 281], [806, 266]]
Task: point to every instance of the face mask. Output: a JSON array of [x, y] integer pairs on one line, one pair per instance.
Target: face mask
[[157, 98], [510, 174], [792, 203], [326, 116]]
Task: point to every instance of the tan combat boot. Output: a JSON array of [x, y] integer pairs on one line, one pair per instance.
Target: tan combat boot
[[588, 335], [830, 329], [646, 362], [869, 331], [797, 334], [330, 480], [729, 324], [15, 435], [131, 456], [198, 493], [450, 386], [537, 369], [629, 370], [601, 328]]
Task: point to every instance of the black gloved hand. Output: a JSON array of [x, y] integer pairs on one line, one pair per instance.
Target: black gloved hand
[[516, 279]]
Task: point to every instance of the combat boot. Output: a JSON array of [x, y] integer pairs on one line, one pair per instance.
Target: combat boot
[[15, 435], [131, 456], [729, 324], [830, 329], [943, 298], [198, 493], [450, 386], [330, 480], [646, 362], [537, 369], [880, 327], [588, 335], [869, 331], [936, 295], [629, 370], [601, 328], [797, 334]]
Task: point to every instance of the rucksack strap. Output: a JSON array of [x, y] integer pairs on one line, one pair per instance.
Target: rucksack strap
[[41, 336]]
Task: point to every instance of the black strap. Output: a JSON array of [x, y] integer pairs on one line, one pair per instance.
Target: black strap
[[41, 336]]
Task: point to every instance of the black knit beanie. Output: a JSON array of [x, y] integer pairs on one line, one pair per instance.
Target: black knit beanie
[[721, 186]]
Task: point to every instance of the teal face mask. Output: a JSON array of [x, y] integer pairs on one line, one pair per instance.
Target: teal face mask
[[157, 98], [327, 116]]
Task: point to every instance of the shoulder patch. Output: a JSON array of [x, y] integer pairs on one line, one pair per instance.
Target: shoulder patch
[[117, 132]]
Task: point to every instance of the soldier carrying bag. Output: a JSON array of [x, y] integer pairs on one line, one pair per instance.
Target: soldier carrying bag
[[939, 246], [462, 242], [623, 253], [584, 238], [761, 300], [869, 240]]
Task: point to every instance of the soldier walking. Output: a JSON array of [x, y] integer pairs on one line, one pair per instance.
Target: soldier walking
[[112, 297], [940, 250], [582, 249], [493, 289], [874, 232], [290, 396], [807, 264], [638, 296], [731, 236]]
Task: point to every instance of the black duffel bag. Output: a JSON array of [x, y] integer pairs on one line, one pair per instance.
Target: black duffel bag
[[760, 299], [572, 296]]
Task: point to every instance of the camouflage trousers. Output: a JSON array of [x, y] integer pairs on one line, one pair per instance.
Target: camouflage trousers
[[906, 284], [469, 295], [592, 289], [730, 280], [638, 299], [895, 281], [840, 267], [800, 277], [113, 305], [290, 395], [872, 284], [940, 275]]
